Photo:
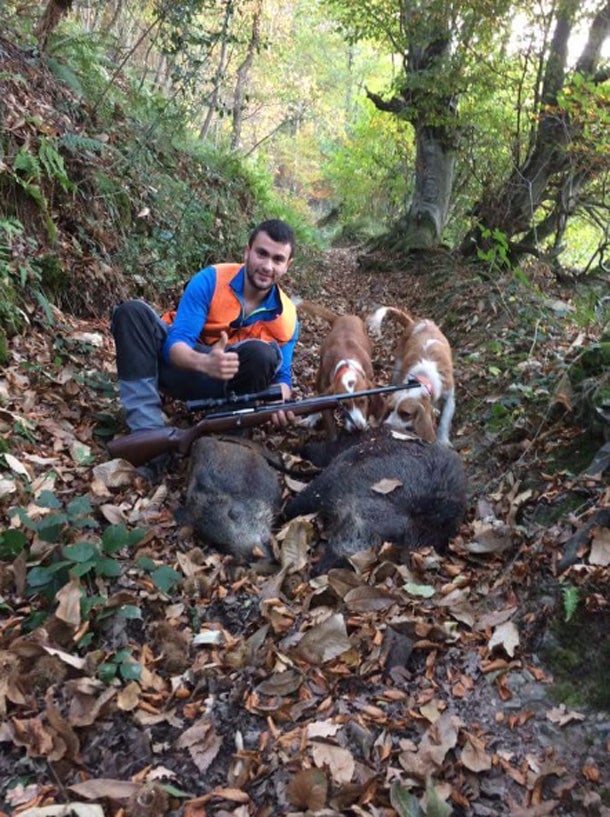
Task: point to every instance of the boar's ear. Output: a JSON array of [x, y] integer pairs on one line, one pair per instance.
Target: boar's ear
[[423, 424]]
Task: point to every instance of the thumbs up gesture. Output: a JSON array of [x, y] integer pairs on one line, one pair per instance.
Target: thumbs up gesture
[[222, 364]]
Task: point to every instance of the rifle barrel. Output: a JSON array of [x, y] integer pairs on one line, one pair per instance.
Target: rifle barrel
[[141, 446]]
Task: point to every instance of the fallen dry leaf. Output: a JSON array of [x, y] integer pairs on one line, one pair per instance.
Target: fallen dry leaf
[[202, 742], [322, 729], [489, 537], [100, 788], [128, 698], [281, 683], [474, 756], [600, 547], [78, 809], [505, 636], [308, 789], [438, 740], [386, 486], [561, 715], [339, 761], [591, 772], [325, 641], [114, 473], [364, 599], [69, 598], [295, 544], [17, 466], [7, 487]]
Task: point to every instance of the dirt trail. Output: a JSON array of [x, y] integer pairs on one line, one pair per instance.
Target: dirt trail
[[265, 693], [511, 502]]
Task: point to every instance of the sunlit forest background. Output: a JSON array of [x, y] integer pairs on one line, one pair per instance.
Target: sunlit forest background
[[478, 125]]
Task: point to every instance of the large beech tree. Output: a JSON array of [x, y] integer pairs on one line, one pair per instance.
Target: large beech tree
[[437, 44]]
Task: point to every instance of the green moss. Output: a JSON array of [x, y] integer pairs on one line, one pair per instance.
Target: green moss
[[548, 514], [566, 660], [564, 692], [597, 358], [54, 277], [4, 356], [580, 660], [576, 455]]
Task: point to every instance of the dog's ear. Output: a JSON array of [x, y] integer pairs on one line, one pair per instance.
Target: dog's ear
[[423, 424], [378, 408]]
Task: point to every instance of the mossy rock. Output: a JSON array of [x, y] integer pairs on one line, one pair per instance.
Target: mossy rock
[[547, 514], [576, 455]]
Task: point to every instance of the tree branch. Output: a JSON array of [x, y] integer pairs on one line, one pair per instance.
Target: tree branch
[[394, 105], [601, 76]]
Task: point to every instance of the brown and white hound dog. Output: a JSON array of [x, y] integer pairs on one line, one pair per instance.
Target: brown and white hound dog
[[423, 353], [345, 366]]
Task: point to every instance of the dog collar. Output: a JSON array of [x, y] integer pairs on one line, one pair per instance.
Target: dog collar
[[347, 365], [426, 383]]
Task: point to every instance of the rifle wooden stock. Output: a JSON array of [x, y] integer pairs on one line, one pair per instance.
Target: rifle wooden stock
[[142, 446]]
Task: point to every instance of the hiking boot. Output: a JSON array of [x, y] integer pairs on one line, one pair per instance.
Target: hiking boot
[[155, 470]]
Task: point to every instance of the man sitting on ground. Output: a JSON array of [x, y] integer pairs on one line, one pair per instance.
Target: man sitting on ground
[[234, 332]]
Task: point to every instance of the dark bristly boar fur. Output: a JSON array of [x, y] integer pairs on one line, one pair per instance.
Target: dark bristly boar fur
[[232, 497], [425, 510]]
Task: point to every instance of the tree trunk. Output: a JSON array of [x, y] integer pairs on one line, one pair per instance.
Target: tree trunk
[[220, 71], [434, 172], [424, 104], [53, 13], [242, 76]]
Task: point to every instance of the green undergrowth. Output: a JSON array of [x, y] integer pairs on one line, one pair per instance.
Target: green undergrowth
[[119, 199], [72, 563]]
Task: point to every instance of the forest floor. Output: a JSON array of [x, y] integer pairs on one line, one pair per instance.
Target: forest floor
[[186, 683]]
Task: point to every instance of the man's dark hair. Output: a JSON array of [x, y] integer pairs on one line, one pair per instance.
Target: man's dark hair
[[277, 230]]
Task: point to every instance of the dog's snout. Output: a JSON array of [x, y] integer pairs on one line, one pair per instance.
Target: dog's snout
[[356, 419]]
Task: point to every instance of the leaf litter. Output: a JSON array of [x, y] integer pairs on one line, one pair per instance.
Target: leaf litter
[[387, 689]]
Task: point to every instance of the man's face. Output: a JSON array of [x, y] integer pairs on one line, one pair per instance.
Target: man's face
[[266, 261]]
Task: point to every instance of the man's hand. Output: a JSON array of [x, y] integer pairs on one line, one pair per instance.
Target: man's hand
[[283, 418], [217, 363], [220, 363]]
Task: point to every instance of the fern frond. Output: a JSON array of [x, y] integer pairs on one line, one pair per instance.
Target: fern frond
[[66, 75], [571, 599], [76, 143], [27, 164], [53, 164]]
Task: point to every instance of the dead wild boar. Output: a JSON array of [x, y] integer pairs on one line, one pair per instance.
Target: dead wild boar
[[424, 509], [232, 496]]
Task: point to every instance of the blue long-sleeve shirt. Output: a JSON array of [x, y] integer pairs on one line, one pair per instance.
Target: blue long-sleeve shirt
[[193, 309]]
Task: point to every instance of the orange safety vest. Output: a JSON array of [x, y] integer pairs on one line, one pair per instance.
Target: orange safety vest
[[225, 308]]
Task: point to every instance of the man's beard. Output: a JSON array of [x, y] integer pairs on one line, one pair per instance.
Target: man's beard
[[252, 281]]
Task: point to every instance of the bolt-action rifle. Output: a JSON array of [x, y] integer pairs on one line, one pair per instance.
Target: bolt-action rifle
[[142, 446]]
